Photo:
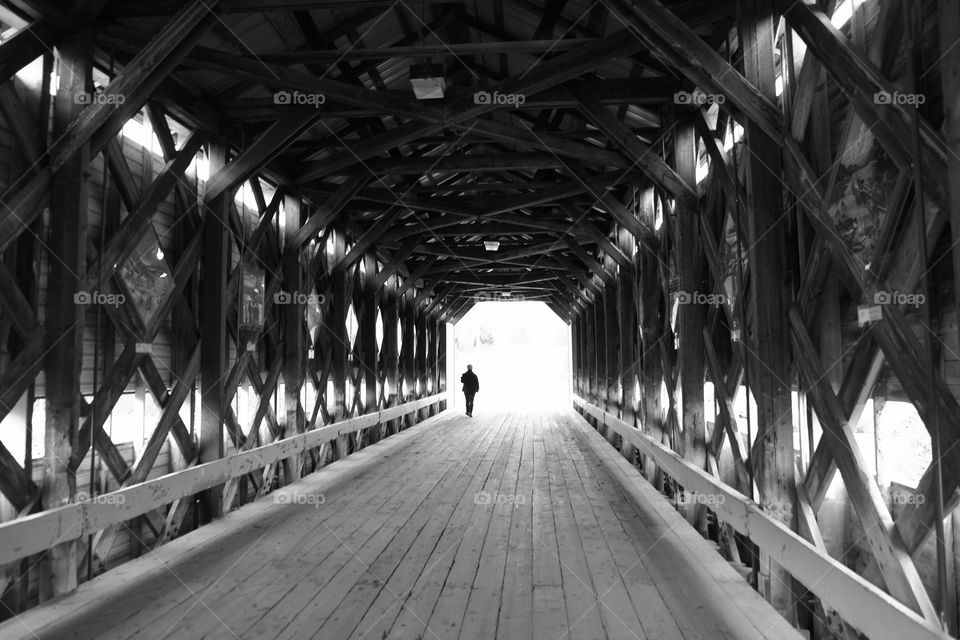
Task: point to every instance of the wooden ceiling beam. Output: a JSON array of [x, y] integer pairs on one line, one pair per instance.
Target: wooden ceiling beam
[[591, 262], [525, 136], [453, 49], [415, 275], [261, 151], [640, 153], [615, 92], [166, 7], [557, 70], [503, 255], [395, 262], [467, 162], [330, 208], [608, 201], [680, 47], [578, 273]]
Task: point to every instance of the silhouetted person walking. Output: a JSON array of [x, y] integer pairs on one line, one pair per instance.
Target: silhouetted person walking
[[470, 387]]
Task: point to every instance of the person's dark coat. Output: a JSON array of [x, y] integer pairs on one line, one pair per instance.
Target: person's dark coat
[[470, 382]]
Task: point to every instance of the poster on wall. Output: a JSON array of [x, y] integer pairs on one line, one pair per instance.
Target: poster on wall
[[146, 277], [252, 298]]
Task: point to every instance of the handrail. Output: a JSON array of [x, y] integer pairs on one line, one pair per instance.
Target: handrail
[[859, 602], [41, 531]]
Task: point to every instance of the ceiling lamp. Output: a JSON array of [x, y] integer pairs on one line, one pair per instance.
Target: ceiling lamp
[[427, 81], [491, 245]]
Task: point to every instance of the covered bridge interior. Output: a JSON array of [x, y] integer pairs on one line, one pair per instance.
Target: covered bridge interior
[[235, 235]]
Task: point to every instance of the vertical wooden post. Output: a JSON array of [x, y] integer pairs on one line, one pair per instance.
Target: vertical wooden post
[[590, 354], [441, 361], [600, 354], [949, 21], [339, 340], [294, 344], [585, 352], [575, 355], [407, 352], [430, 361], [390, 311], [65, 317], [692, 312], [368, 334], [433, 357], [213, 331], [611, 333], [627, 313], [770, 374], [420, 359], [651, 332]]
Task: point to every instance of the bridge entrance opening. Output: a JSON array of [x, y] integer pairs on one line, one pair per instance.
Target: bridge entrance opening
[[520, 351]]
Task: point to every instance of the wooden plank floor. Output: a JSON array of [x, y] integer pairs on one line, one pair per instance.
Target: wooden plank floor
[[511, 526]]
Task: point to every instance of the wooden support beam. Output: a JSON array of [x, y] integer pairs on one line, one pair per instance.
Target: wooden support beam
[[294, 339], [949, 66], [294, 123], [581, 276], [105, 539], [407, 364], [362, 244], [691, 315], [95, 125], [124, 240], [627, 320], [590, 352], [728, 415], [608, 201], [639, 152], [860, 80], [431, 377], [21, 124], [576, 359], [769, 298], [865, 606], [441, 364], [330, 209], [680, 47], [367, 334], [884, 538], [420, 356], [213, 331], [396, 261], [599, 352], [581, 223], [336, 327], [611, 329], [566, 66], [415, 275], [651, 313], [390, 350], [63, 358], [25, 46]]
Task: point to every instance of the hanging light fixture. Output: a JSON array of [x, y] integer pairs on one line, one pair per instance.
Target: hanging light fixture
[[427, 81], [491, 245]]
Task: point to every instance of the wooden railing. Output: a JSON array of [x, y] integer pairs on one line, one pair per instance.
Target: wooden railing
[[36, 533], [859, 602]]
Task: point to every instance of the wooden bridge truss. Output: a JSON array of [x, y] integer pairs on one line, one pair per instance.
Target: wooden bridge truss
[[676, 184]]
